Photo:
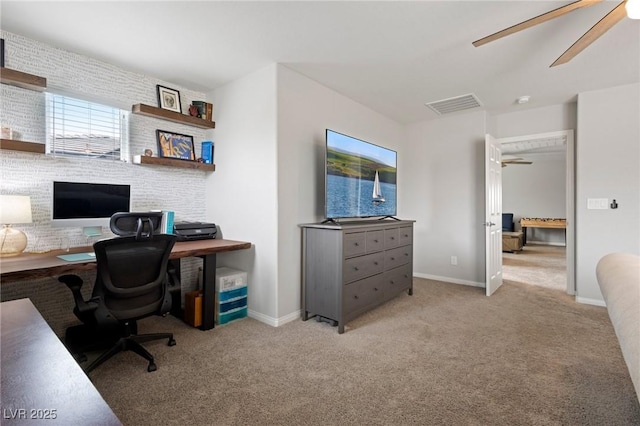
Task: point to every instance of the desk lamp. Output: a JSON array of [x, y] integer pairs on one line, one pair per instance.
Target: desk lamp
[[13, 209]]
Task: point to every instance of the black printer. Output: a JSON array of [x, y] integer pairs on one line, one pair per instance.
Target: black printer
[[188, 231]]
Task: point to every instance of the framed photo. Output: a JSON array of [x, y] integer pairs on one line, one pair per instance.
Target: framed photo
[[169, 99], [175, 145]]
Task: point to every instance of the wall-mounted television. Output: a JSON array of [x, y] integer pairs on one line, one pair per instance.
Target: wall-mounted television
[[80, 204], [360, 178]]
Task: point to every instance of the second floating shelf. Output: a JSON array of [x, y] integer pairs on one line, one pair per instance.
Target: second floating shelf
[[172, 162]]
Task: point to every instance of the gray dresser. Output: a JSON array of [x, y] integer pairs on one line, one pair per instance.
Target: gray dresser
[[351, 267]]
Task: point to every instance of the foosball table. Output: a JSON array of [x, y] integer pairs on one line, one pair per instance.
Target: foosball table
[[535, 222]]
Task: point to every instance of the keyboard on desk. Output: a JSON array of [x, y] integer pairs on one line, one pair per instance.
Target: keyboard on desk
[[78, 257]]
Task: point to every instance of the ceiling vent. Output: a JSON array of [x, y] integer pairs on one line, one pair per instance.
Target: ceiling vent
[[459, 103]]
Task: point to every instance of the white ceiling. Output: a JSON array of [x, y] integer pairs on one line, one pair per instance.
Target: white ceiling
[[391, 56]]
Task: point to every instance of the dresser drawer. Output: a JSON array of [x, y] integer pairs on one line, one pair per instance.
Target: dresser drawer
[[398, 279], [406, 235], [375, 241], [391, 238], [363, 293], [363, 266], [397, 256], [354, 244]]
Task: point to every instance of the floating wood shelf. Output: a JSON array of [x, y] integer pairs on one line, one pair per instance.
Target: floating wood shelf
[[22, 79], [37, 148], [173, 162], [176, 117]]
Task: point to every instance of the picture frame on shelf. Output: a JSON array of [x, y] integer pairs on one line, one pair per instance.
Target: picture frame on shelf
[[169, 99], [175, 145]]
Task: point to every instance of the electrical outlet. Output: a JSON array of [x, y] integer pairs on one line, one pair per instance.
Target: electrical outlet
[[454, 260]]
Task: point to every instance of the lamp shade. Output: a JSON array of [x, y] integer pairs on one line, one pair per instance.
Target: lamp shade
[[15, 209]]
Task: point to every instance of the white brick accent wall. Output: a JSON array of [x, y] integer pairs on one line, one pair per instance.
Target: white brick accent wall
[[152, 187]]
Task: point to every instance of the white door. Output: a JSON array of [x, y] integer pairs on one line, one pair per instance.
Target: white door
[[493, 214]]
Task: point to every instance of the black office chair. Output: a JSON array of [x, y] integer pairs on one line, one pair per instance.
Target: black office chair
[[131, 284]]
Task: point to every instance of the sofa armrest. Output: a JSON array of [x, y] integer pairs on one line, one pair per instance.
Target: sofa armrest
[[619, 280]]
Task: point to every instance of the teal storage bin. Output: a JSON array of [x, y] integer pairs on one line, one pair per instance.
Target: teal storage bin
[[234, 304], [232, 315], [226, 296]]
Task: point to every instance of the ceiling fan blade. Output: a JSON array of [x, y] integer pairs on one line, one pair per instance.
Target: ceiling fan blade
[[604, 25], [535, 21]]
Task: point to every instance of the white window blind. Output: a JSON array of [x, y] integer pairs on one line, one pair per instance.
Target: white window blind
[[79, 128]]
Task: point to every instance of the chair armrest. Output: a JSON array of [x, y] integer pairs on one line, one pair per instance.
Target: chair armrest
[[74, 283]]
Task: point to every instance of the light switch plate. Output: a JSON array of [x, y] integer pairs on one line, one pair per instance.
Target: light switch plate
[[597, 203]]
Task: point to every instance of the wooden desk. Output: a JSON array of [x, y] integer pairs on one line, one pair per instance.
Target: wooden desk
[[41, 382], [529, 222], [30, 266]]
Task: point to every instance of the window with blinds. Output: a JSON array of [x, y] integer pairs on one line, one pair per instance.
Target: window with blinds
[[78, 128]]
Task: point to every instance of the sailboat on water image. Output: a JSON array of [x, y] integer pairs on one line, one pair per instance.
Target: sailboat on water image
[[378, 198]]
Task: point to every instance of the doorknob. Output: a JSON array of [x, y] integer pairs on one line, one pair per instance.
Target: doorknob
[[489, 224]]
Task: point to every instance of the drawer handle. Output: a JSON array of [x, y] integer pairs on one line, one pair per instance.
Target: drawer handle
[[375, 288], [393, 258], [355, 297], [406, 276], [375, 263], [375, 241], [406, 254], [392, 282], [356, 244], [393, 238], [355, 268]]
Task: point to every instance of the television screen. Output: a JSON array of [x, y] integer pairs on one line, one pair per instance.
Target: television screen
[[360, 178], [88, 204]]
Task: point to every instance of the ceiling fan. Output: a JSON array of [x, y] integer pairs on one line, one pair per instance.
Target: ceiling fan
[[605, 24], [507, 161]]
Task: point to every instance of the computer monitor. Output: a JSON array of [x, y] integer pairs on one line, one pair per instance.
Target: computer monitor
[[83, 204]]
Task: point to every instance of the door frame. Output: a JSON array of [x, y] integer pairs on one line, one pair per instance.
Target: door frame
[[570, 206]]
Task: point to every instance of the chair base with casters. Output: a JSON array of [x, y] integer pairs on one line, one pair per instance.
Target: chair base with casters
[[111, 337], [131, 284]]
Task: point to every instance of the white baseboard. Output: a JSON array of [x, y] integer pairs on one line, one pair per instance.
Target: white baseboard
[[449, 280], [274, 322], [586, 301]]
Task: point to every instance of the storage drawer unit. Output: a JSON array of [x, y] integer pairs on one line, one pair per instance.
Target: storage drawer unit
[[352, 267], [231, 301]]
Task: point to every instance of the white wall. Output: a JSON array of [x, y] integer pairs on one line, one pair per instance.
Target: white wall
[[269, 155], [443, 190], [608, 166], [534, 120], [241, 196], [305, 110], [537, 190]]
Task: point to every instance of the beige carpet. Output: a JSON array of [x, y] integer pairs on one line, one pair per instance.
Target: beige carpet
[[536, 264], [447, 355]]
